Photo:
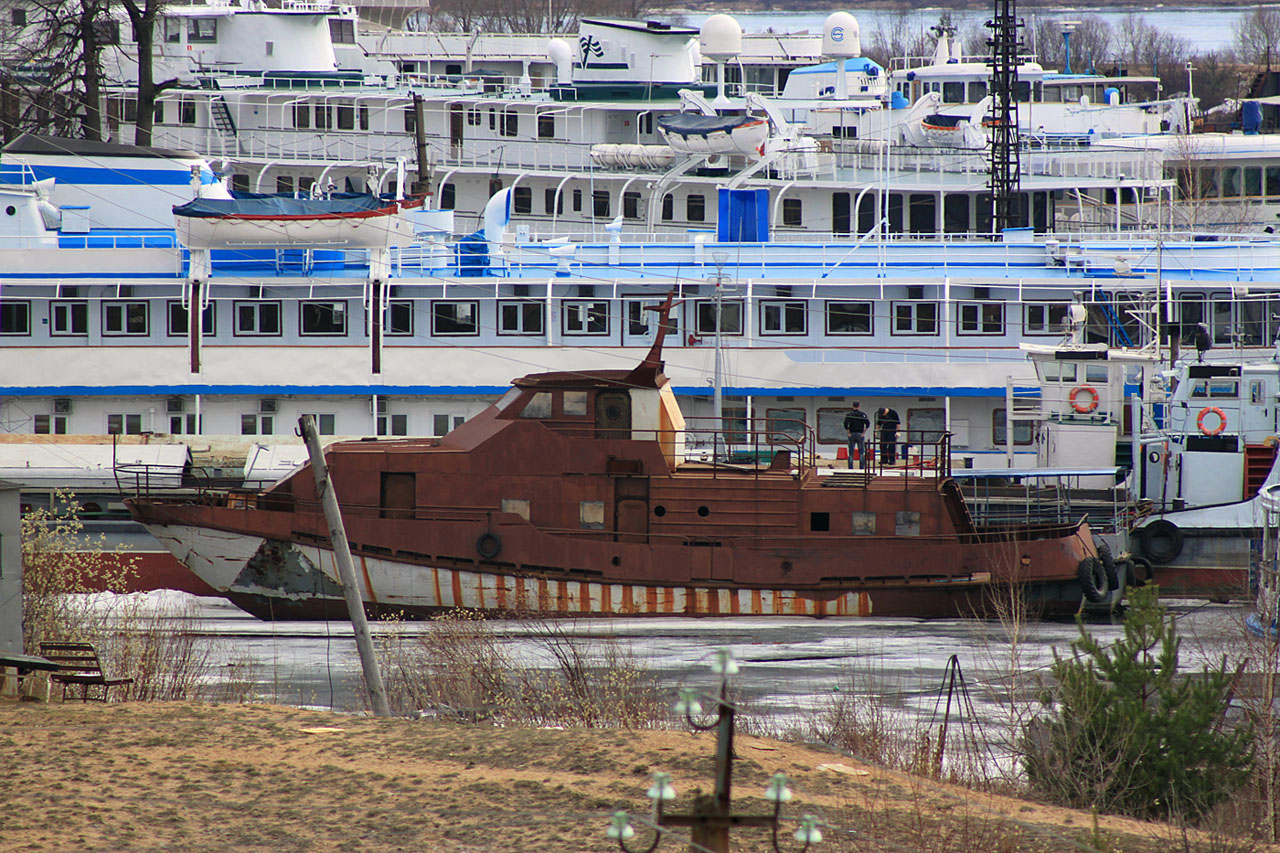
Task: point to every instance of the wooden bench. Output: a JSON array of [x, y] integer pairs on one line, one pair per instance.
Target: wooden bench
[[80, 666]]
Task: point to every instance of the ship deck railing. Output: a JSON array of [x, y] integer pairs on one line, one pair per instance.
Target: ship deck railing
[[1001, 496]]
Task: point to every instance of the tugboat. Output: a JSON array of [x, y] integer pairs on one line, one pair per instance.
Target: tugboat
[[579, 493]]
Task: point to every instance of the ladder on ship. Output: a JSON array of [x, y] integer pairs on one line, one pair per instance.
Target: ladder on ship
[[221, 114]]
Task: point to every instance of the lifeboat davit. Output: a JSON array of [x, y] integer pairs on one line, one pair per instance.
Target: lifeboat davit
[[697, 134]]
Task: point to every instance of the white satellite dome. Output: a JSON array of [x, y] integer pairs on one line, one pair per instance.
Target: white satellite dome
[[840, 36], [721, 38]]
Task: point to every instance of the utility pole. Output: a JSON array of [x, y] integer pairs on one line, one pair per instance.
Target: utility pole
[[346, 567]]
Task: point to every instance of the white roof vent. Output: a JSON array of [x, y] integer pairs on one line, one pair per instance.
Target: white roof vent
[[840, 36], [721, 38]]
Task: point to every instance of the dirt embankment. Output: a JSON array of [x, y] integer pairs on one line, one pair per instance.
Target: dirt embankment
[[223, 777]]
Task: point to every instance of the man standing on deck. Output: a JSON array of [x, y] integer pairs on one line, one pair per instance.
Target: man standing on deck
[[887, 419], [856, 423]]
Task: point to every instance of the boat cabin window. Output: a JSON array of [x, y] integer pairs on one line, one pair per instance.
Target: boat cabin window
[[591, 515], [864, 523], [1059, 371], [953, 92], [1215, 389], [977, 91], [785, 425], [506, 399], [1255, 392], [539, 406], [1095, 373], [575, 403]]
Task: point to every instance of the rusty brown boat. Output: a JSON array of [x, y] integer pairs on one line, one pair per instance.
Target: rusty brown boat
[[578, 493]]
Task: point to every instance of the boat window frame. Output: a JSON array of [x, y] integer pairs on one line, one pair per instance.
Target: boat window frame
[[335, 306], [435, 318], [11, 309], [582, 323], [868, 305], [727, 330], [784, 308], [259, 306], [522, 306], [1047, 326], [1020, 427], [977, 325], [123, 311], [73, 310], [793, 212], [394, 306], [913, 307]]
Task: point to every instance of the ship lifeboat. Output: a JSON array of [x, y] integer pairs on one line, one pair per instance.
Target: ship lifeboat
[[349, 221], [698, 134]]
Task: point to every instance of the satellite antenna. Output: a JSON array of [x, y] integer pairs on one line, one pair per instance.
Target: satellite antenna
[[841, 41], [721, 40]]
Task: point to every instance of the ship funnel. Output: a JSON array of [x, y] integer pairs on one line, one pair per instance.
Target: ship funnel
[[561, 55]]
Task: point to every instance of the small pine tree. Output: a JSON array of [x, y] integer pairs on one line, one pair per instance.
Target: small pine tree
[[1125, 734]]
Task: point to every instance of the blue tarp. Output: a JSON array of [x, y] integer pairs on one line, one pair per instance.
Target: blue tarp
[[251, 204], [691, 124]]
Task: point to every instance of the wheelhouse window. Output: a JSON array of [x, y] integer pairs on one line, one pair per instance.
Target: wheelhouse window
[[69, 319], [1044, 318], [849, 318], [981, 318], [1215, 389], [783, 318], [520, 318], [323, 317], [586, 318], [730, 317], [455, 318], [15, 318], [257, 318], [399, 317], [124, 318], [342, 30], [915, 318], [204, 30], [539, 406]]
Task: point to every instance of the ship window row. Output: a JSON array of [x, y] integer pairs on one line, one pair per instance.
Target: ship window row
[[588, 317], [1228, 181]]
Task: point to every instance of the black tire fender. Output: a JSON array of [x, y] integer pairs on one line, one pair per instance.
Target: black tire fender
[[1093, 580], [1161, 541], [1142, 572], [488, 545], [1108, 563]]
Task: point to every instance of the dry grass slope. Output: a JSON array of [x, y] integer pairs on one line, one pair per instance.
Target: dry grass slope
[[166, 776]]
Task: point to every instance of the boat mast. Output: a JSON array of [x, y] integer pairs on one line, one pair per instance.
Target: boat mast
[[1005, 172], [717, 394]]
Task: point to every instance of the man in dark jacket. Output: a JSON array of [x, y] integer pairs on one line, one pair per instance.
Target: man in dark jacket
[[887, 419], [856, 423]]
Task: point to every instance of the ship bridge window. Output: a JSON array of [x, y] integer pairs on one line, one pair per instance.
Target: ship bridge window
[[455, 318], [1215, 389], [953, 92], [1095, 373], [783, 318], [124, 318], [15, 318], [575, 403], [730, 317], [586, 318], [539, 406], [342, 30], [520, 318], [202, 30], [977, 91], [323, 318], [849, 318]]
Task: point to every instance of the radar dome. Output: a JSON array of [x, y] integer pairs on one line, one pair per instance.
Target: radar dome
[[721, 37], [840, 37]]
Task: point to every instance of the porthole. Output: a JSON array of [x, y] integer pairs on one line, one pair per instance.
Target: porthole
[[11, 211], [659, 510], [703, 512], [617, 561]]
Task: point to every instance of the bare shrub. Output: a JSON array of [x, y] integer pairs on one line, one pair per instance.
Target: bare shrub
[[859, 719], [460, 668], [160, 649]]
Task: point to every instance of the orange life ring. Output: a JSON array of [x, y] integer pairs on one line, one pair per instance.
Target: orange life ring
[[1084, 409], [1222, 420]]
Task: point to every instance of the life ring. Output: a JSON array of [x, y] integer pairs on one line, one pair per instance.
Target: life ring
[[1093, 579], [1084, 409], [1211, 410], [488, 545], [1161, 541]]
